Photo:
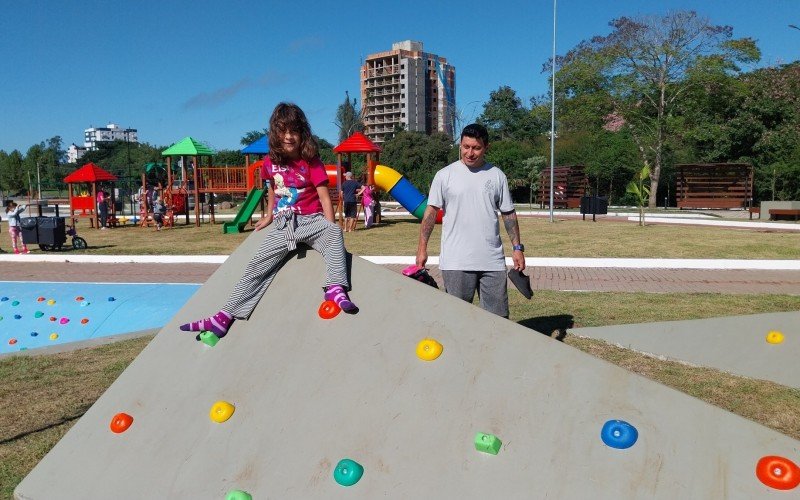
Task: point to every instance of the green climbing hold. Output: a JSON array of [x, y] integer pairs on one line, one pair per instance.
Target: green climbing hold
[[487, 443], [38, 314], [348, 472], [208, 338], [238, 495]]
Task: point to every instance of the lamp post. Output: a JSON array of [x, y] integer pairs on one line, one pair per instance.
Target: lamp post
[[130, 174], [38, 182], [553, 113]]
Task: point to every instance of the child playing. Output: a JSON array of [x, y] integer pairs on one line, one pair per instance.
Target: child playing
[[12, 214], [299, 203]]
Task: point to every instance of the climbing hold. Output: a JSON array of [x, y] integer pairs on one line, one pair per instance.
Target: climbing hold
[[64, 321], [12, 341], [619, 434], [84, 321], [15, 303], [774, 337], [778, 472], [120, 422], [429, 349], [34, 334], [487, 443], [40, 299], [51, 302], [38, 314], [208, 338], [53, 318], [221, 411], [238, 495], [329, 309], [3, 299], [79, 298], [85, 303], [111, 299], [53, 336], [17, 316], [348, 472], [1, 318]]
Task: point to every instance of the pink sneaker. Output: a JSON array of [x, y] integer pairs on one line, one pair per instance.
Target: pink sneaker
[[16, 251]]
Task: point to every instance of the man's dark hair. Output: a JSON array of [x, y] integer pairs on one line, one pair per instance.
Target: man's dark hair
[[476, 131]]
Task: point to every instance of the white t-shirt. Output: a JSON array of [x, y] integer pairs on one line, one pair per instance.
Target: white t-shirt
[[471, 199]]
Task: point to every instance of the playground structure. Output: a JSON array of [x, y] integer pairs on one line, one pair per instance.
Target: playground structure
[[714, 185], [570, 184], [83, 203], [551, 421]]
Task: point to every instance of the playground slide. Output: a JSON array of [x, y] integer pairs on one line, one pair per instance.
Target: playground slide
[[245, 212], [401, 189]]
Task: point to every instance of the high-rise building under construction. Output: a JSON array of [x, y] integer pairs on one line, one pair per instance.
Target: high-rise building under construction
[[408, 88]]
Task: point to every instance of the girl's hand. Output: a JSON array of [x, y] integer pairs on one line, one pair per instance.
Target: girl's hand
[[262, 223]]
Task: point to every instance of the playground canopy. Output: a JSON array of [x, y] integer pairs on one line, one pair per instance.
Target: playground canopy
[[89, 173], [188, 147], [357, 143], [257, 147]]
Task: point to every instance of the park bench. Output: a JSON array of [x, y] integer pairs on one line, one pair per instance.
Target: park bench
[[774, 213], [754, 211]]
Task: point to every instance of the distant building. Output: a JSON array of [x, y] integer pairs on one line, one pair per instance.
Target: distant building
[[94, 135], [74, 153], [409, 88]]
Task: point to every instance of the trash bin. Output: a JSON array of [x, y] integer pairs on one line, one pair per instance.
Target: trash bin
[[28, 229], [594, 205], [52, 232]]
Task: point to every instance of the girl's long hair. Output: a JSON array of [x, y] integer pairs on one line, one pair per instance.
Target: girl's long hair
[[287, 116]]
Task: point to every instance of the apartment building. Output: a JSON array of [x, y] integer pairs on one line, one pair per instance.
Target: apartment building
[[409, 87], [111, 133]]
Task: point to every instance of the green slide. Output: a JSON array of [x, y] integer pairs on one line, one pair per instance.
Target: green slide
[[243, 217]]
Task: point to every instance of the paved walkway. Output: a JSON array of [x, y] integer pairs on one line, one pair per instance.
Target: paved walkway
[[616, 279]]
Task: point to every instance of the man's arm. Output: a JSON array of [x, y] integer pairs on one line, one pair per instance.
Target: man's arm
[[512, 228], [425, 230]]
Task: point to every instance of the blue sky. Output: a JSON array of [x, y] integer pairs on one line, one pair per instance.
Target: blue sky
[[215, 69]]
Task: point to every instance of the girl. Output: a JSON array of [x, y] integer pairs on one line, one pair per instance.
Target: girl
[[299, 203], [367, 201], [12, 214]]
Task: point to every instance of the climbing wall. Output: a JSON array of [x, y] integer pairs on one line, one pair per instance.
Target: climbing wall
[[290, 405]]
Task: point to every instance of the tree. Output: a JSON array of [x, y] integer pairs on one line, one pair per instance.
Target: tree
[[640, 72], [418, 156], [348, 118], [639, 189], [507, 119], [252, 136], [12, 172]]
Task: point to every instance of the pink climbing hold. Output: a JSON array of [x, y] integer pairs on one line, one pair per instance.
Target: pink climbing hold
[[64, 321]]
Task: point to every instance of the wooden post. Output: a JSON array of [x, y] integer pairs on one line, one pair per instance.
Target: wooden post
[[196, 194]]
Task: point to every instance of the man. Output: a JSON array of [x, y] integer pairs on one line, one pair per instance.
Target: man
[[349, 189], [471, 192]]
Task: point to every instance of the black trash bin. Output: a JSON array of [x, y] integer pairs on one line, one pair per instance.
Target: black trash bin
[[52, 232], [27, 226], [594, 205]]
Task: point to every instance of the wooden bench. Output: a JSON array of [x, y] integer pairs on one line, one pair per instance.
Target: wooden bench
[[754, 211], [774, 213]]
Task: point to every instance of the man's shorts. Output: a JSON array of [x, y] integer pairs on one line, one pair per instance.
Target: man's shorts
[[491, 286], [350, 209]]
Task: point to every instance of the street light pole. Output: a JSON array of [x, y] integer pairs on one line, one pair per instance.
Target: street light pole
[[38, 181], [130, 174], [553, 113]]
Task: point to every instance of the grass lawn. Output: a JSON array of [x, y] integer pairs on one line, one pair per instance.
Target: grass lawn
[[43, 396], [565, 238]]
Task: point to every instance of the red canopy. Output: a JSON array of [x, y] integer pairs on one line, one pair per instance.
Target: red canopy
[[357, 143], [89, 173]]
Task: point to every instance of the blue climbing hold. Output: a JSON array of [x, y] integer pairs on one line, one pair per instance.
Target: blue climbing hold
[[17, 316], [34, 334], [111, 299], [619, 434], [4, 299]]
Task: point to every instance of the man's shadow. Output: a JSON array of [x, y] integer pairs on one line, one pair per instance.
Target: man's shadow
[[548, 325]]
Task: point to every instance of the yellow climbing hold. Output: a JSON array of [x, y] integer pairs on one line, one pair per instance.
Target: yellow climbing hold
[[774, 337], [429, 349]]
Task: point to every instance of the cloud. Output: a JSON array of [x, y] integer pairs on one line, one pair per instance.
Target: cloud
[[219, 96], [309, 42]]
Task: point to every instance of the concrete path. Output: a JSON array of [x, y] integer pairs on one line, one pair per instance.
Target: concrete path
[[309, 392]]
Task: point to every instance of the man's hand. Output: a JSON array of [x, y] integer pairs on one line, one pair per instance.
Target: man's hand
[[422, 256], [262, 223], [519, 260]]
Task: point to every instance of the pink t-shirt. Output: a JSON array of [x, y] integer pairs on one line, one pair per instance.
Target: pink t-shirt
[[295, 185]]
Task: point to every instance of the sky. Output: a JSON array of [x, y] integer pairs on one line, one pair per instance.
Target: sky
[[215, 69]]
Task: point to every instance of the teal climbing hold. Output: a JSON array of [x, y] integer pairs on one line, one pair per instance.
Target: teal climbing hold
[[348, 472]]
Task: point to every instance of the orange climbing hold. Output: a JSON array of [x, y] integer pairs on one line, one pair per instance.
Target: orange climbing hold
[[778, 472], [121, 422], [329, 309]]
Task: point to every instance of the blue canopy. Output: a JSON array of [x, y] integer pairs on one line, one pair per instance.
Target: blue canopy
[[259, 147]]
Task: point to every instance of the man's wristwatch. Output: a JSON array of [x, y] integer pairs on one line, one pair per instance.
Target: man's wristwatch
[[519, 247]]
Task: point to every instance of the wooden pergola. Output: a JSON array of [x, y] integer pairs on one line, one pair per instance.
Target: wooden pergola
[[357, 143], [184, 149], [85, 206]]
